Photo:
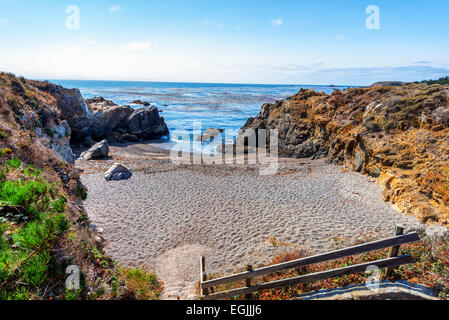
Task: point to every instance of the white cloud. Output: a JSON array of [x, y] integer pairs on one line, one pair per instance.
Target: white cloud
[[115, 8], [3, 20], [277, 22], [340, 37], [137, 46], [212, 23], [238, 28]]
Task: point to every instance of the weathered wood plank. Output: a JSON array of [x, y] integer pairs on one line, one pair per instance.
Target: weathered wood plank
[[372, 246], [385, 263], [203, 276], [249, 268], [394, 250]]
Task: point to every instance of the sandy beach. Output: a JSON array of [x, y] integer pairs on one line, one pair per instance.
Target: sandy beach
[[166, 216]]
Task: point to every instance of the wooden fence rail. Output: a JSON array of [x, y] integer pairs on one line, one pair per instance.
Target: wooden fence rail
[[209, 286]]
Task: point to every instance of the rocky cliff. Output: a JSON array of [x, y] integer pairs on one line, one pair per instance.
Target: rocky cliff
[[60, 117], [398, 134], [43, 226]]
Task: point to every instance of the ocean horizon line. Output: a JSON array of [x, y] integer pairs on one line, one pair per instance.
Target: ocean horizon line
[[204, 83]]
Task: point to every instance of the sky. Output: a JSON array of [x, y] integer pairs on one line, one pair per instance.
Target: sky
[[234, 41]]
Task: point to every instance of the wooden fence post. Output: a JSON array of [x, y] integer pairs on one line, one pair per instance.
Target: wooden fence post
[[394, 250], [249, 296], [203, 276]]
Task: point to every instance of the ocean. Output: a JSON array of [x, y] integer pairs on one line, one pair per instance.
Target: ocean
[[221, 106]]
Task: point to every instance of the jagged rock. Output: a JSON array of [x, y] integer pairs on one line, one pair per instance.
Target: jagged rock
[[98, 151], [110, 119], [117, 172], [72, 108], [123, 123], [209, 134], [141, 103], [146, 124]]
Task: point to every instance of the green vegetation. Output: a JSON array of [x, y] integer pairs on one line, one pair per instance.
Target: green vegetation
[[31, 219], [442, 81], [5, 151], [144, 284], [14, 163]]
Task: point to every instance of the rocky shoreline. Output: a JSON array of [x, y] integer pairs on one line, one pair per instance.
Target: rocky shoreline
[[397, 133], [72, 121]]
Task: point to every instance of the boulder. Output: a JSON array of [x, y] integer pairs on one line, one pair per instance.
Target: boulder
[[98, 151], [123, 123], [146, 124], [117, 172], [209, 134], [110, 119]]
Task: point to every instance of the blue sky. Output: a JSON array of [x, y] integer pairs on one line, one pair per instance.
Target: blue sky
[[246, 41]]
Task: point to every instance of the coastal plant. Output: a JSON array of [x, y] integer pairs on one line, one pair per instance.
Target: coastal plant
[[431, 269], [14, 163], [27, 197], [5, 151], [145, 285]]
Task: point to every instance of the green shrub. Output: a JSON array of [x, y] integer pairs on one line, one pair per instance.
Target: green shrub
[[39, 235], [3, 135], [59, 205], [73, 294], [31, 171], [14, 163], [30, 195], [20, 293], [144, 284], [35, 271]]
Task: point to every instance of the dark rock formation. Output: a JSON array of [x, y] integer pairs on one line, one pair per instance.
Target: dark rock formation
[[141, 103], [146, 124], [123, 123]]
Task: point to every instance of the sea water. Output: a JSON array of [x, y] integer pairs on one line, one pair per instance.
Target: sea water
[[183, 105]]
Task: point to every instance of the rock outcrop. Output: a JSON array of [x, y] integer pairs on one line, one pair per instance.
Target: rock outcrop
[[141, 103], [71, 107], [146, 124], [398, 134], [123, 123]]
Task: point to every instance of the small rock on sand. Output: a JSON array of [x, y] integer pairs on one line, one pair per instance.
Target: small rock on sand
[[98, 151], [117, 172]]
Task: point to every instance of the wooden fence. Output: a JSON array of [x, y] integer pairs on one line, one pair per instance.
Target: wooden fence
[[208, 287]]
